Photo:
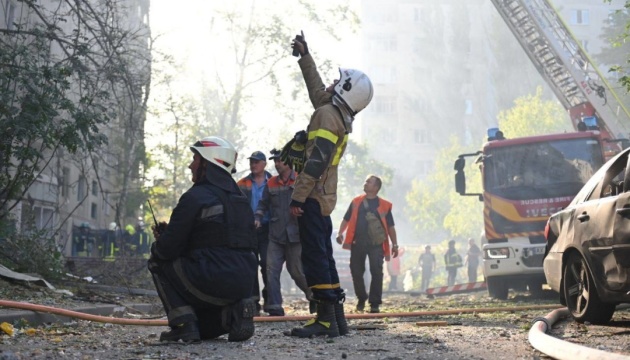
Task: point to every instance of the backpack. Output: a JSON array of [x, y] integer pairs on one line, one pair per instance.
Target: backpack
[[376, 231]]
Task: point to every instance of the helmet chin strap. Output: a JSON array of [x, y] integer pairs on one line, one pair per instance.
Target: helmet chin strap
[[345, 112]]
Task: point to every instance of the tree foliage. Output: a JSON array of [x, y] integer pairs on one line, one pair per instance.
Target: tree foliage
[[532, 115], [617, 32], [74, 79]]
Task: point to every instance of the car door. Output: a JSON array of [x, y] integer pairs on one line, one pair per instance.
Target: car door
[[595, 224], [620, 260]]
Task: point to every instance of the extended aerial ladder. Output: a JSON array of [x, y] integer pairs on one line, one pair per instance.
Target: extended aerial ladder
[[565, 66]]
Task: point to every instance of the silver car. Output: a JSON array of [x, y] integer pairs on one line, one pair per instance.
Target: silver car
[[587, 257]]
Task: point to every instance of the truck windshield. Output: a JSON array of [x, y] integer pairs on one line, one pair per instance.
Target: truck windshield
[[544, 169]]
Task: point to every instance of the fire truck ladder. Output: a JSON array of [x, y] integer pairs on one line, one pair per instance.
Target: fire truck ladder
[[563, 63]]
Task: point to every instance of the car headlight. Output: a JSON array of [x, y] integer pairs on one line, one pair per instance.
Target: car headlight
[[497, 253]]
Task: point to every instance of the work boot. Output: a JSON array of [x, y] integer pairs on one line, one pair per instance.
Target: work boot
[[374, 309], [361, 305], [186, 332], [342, 324], [323, 324], [238, 319]]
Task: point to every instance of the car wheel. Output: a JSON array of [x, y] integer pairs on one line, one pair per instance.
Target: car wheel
[[497, 289], [581, 296]]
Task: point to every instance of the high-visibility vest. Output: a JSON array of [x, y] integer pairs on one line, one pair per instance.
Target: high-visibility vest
[[384, 207]]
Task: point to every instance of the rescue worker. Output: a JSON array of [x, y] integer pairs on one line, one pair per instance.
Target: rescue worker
[[109, 241], [141, 239], [284, 235], [129, 247], [453, 261], [316, 158], [83, 241], [203, 262], [252, 186], [369, 240]]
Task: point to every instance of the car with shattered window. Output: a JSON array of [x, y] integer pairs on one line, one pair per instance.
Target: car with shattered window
[[587, 257]]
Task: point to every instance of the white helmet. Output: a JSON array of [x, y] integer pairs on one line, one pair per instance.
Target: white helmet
[[217, 151], [354, 89]]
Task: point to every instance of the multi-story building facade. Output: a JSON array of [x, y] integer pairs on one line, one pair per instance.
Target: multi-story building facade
[[90, 188]]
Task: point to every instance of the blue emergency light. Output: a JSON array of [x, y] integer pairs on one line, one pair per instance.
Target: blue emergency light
[[492, 132], [590, 122]]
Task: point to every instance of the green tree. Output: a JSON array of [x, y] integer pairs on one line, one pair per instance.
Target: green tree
[[74, 80], [532, 115], [617, 31], [434, 207]]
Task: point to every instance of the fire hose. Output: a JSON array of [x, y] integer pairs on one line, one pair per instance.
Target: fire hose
[[154, 322]]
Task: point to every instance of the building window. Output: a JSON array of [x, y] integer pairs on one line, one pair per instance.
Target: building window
[[94, 188], [65, 181], [417, 14], [579, 17], [421, 136], [9, 15], [81, 191], [469, 107], [385, 105], [424, 167], [93, 211], [385, 43], [383, 74], [44, 217], [389, 14]]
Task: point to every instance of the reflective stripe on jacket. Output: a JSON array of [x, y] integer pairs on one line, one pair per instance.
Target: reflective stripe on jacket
[[384, 207], [327, 125]]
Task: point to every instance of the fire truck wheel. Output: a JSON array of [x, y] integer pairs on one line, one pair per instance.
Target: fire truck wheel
[[497, 289]]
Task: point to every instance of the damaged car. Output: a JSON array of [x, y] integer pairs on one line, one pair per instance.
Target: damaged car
[[587, 257]]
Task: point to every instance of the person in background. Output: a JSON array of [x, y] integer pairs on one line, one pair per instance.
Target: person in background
[[284, 235], [370, 227], [109, 241], [252, 186], [472, 260], [427, 265], [203, 262], [393, 269], [452, 261]]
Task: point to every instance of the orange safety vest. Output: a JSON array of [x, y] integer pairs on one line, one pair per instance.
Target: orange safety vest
[[384, 207]]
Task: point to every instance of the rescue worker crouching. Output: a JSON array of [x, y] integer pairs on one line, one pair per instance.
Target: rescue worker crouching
[[202, 261]]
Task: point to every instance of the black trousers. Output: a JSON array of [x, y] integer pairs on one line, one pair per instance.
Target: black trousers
[[181, 306], [318, 262], [374, 254]]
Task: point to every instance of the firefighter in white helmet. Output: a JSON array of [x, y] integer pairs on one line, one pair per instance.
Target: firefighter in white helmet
[[202, 261], [316, 154]]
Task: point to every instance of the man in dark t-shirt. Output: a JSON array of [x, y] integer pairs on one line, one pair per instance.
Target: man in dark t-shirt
[[370, 226]]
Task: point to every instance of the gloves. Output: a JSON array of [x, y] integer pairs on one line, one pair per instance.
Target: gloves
[[299, 39], [294, 152]]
